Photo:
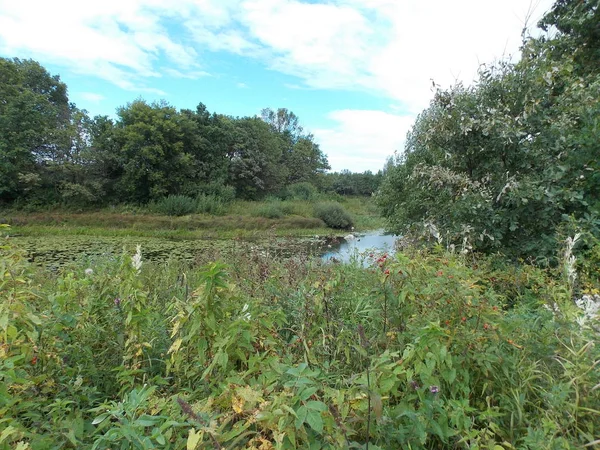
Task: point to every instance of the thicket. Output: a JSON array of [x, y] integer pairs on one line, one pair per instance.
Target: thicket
[[422, 351], [510, 164]]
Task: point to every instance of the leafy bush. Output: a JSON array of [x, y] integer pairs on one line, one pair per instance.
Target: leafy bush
[[302, 191], [175, 205], [501, 165], [224, 193], [334, 215], [271, 210], [210, 204]]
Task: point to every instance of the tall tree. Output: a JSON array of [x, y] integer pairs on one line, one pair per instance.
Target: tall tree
[[150, 148], [302, 158], [34, 114]]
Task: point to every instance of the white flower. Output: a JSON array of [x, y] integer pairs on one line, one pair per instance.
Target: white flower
[[136, 260], [569, 260], [89, 271], [590, 306], [245, 314]]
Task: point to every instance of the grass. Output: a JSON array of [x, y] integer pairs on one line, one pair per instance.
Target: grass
[[242, 218]]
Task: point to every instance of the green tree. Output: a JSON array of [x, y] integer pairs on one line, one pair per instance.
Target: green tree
[[149, 142], [505, 164], [254, 158], [34, 114], [302, 158]]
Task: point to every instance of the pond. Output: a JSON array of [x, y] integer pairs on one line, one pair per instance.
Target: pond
[[345, 249], [56, 251]]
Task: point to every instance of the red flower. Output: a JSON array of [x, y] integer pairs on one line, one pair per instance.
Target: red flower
[[440, 273], [34, 360], [387, 271]]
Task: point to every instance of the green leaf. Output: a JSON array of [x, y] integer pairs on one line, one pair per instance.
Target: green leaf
[[317, 406], [100, 418], [314, 419], [300, 416], [308, 392]]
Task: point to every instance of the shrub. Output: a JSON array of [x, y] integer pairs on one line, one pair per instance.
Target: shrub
[[210, 204], [270, 211], [334, 215], [226, 194], [302, 191], [175, 205]]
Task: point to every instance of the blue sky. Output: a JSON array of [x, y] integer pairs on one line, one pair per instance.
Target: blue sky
[[356, 72]]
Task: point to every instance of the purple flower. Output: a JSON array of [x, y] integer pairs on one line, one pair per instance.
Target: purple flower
[[118, 302], [414, 385], [434, 389]]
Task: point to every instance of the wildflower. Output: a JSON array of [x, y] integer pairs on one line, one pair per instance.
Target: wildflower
[[136, 260], [89, 271], [569, 259], [414, 385], [387, 271], [434, 389], [245, 314], [118, 302], [486, 326]]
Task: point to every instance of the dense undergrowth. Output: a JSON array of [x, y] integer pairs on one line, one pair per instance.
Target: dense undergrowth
[[427, 350]]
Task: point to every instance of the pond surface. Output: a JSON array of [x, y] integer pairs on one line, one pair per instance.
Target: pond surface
[[346, 249], [56, 251]]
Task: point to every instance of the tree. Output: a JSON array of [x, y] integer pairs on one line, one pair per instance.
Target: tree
[[302, 158], [254, 159], [34, 113], [150, 151], [508, 163]]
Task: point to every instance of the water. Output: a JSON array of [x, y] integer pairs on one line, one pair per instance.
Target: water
[[347, 249]]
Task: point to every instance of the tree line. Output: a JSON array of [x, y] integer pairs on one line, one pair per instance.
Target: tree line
[[52, 152], [511, 163]]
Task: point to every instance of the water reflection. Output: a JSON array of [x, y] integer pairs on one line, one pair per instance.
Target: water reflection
[[348, 249]]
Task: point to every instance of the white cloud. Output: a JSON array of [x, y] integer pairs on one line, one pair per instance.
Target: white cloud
[[363, 139], [116, 40], [91, 96], [389, 48], [241, 85]]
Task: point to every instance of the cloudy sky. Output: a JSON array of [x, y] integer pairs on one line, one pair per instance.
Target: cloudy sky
[[356, 72]]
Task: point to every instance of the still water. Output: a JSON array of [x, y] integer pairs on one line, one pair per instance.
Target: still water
[[347, 249]]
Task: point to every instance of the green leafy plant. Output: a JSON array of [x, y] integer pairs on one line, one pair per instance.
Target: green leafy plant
[[176, 205], [334, 215]]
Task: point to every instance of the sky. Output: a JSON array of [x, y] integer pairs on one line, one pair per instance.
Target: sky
[[356, 72]]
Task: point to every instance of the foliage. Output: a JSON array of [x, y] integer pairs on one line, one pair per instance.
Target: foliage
[[414, 351], [348, 183], [271, 210], [302, 191], [175, 205], [51, 153], [334, 215], [505, 164]]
